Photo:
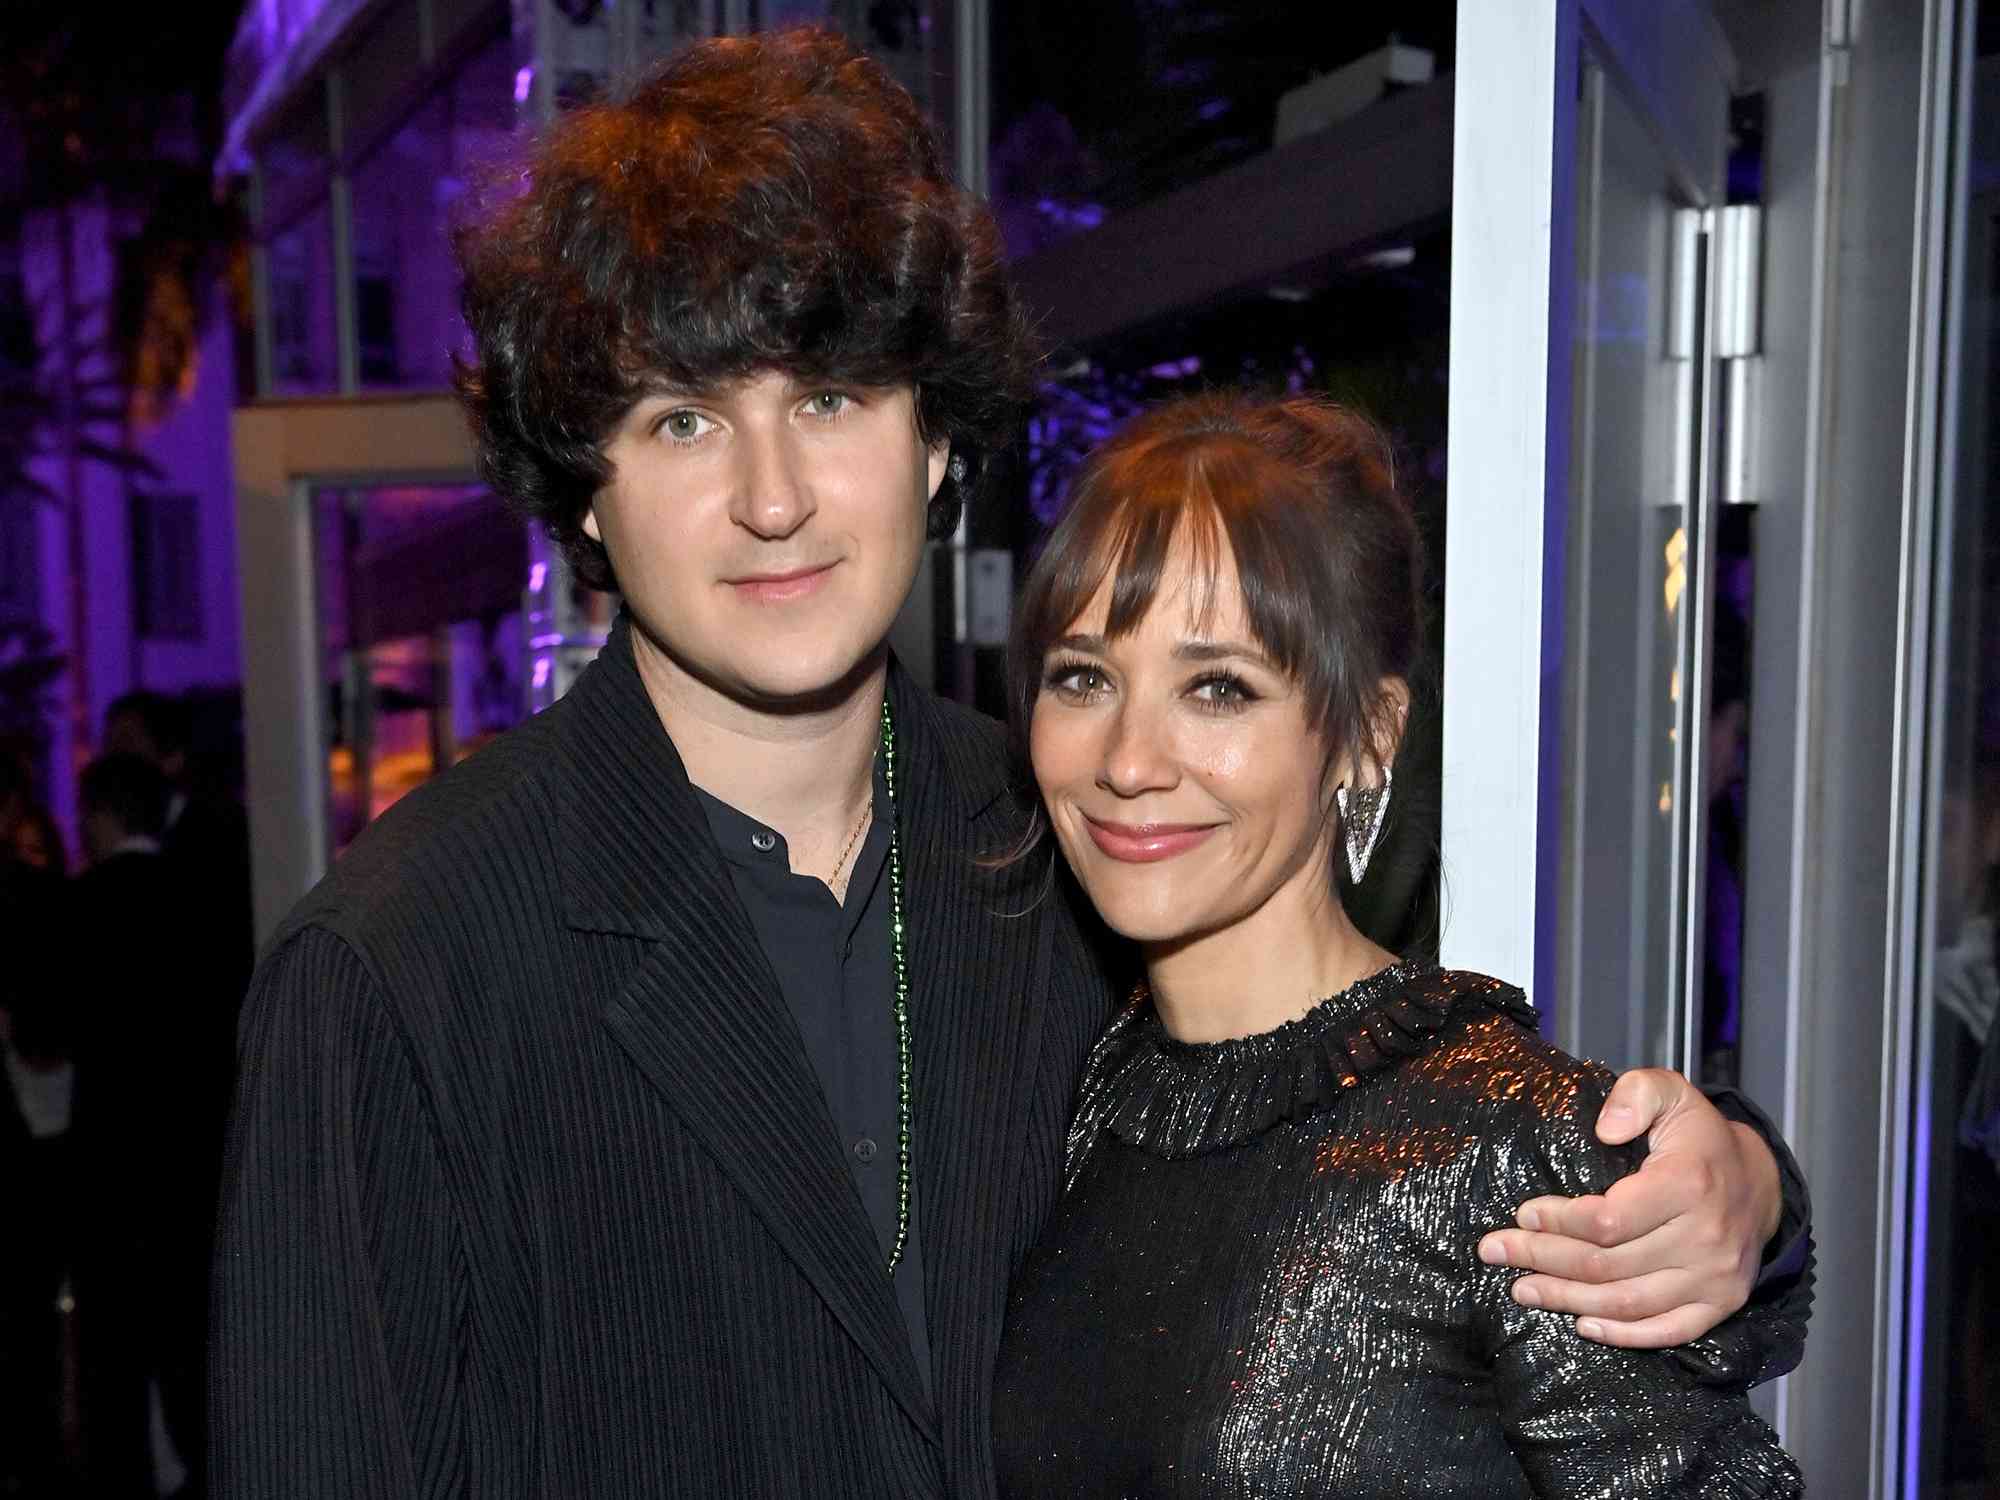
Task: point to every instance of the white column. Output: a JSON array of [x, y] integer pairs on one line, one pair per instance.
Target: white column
[[1507, 436]]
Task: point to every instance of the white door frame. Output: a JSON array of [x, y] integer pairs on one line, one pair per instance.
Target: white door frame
[[283, 452], [1508, 435]]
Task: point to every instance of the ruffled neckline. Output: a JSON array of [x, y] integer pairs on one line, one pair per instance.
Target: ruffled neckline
[[1178, 1099]]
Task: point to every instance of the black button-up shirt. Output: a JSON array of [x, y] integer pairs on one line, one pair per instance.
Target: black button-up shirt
[[835, 965]]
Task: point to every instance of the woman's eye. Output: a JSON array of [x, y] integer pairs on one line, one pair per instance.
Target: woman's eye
[[1073, 681], [1224, 691]]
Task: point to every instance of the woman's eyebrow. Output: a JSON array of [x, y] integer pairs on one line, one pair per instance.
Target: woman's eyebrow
[[1204, 650], [1090, 645]]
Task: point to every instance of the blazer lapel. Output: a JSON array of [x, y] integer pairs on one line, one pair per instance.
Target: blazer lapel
[[978, 948], [699, 1019], [703, 1017]]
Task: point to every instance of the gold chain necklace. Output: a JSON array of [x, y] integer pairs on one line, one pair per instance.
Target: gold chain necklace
[[852, 839]]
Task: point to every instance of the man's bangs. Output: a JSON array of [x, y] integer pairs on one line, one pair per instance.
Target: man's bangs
[[769, 316]]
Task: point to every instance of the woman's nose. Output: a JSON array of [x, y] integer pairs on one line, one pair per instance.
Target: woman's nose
[[1138, 754]]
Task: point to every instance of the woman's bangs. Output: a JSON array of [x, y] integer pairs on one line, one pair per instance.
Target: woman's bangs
[[1203, 498]]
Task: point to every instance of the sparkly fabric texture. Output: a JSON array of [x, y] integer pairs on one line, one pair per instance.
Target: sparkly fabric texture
[[1262, 1279]]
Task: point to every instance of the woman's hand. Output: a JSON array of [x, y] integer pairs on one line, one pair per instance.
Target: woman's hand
[[1668, 1252]]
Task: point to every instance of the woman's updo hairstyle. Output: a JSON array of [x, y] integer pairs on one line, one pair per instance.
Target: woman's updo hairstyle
[[1301, 493]]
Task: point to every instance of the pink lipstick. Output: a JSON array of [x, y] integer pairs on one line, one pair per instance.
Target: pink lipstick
[[1146, 843]]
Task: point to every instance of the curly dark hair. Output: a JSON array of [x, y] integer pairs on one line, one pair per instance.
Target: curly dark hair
[[774, 201]]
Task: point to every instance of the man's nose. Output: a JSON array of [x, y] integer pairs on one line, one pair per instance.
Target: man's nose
[[774, 489]]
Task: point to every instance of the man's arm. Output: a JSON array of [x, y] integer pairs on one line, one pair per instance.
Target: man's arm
[[333, 1352], [1671, 1251], [1591, 1419]]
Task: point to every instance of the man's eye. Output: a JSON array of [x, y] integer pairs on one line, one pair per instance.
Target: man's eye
[[827, 403], [683, 426]]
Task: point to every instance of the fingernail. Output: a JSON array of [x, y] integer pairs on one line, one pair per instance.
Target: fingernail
[[1493, 1250], [1526, 1294], [1617, 1111], [1529, 1218], [1590, 1328]]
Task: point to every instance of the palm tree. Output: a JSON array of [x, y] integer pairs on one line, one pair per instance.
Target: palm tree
[[128, 119]]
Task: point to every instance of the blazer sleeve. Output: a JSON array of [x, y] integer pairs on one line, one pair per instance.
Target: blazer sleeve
[[1767, 1338], [1587, 1418], [336, 1307]]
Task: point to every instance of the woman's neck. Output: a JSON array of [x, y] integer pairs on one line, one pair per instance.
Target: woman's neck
[[1269, 967]]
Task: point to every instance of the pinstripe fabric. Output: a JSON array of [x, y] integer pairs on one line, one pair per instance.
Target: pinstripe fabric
[[532, 1190]]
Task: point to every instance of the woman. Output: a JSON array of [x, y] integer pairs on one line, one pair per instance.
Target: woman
[[1262, 1277]]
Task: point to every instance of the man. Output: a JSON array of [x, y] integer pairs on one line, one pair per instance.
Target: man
[[659, 1102], [37, 1177], [150, 1058], [206, 839]]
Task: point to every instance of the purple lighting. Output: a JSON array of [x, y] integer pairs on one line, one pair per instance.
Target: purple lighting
[[1070, 216], [524, 83]]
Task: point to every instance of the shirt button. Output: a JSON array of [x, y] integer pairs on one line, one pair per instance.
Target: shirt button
[[763, 841], [864, 1149]]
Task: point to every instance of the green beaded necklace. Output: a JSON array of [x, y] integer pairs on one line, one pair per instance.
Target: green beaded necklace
[[902, 1001]]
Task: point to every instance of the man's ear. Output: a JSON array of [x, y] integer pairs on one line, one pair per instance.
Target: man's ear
[[937, 461]]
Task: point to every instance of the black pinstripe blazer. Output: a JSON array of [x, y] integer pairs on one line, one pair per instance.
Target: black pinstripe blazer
[[532, 1190]]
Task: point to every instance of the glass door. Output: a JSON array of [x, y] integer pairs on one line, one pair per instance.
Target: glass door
[[1951, 1376], [423, 657], [1637, 580]]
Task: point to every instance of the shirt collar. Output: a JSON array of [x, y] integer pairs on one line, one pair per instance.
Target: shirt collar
[[742, 840]]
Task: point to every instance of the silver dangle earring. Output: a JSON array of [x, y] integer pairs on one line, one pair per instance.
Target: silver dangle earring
[[1362, 813], [956, 467]]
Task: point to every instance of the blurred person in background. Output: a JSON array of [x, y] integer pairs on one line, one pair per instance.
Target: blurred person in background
[[38, 1197], [14, 789], [151, 1053], [38, 842], [28, 835], [1966, 1054], [206, 837]]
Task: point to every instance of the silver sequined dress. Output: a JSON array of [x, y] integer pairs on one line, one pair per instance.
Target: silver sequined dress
[[1262, 1279]]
